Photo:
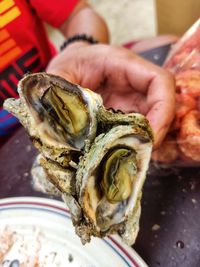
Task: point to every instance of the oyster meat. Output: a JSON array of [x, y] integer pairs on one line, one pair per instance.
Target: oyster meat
[[58, 115], [97, 158], [109, 183]]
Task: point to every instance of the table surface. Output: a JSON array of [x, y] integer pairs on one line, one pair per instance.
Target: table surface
[[170, 223]]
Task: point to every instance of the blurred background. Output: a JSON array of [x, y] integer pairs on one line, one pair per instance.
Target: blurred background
[[126, 19], [137, 19]]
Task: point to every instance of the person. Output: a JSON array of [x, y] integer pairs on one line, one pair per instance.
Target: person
[[124, 80]]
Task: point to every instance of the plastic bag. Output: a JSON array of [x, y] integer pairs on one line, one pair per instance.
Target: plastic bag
[[181, 146]]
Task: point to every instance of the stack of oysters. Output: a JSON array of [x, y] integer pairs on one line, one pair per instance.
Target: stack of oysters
[[96, 157]]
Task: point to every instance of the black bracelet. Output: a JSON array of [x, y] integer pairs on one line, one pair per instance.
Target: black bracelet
[[78, 37]]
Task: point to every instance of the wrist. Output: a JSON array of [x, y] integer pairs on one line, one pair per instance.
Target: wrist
[[79, 38], [76, 45]]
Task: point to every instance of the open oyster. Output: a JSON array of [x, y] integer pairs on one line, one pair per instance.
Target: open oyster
[[109, 183], [97, 158], [58, 115]]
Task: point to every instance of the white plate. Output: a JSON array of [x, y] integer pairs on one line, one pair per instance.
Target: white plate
[[26, 214]]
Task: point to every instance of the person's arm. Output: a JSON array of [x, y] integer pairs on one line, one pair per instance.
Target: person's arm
[[84, 20]]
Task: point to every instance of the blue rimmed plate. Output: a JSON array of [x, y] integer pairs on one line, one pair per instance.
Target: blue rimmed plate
[[50, 218]]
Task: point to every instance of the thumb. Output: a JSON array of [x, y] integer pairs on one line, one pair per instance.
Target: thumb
[[160, 121]]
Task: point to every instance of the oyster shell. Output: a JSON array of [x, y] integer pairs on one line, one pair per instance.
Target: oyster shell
[[97, 158], [109, 182], [40, 179], [58, 115], [107, 119]]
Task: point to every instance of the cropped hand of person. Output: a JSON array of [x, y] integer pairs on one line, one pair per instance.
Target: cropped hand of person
[[124, 80]]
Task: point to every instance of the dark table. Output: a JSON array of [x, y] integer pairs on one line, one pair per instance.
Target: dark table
[[170, 222]]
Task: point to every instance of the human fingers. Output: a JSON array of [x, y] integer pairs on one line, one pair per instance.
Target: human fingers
[[159, 87], [161, 103]]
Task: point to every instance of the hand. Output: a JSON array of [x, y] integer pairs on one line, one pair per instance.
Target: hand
[[124, 80]]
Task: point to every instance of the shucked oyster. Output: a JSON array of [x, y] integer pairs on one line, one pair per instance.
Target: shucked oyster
[[58, 115], [96, 157], [109, 183]]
